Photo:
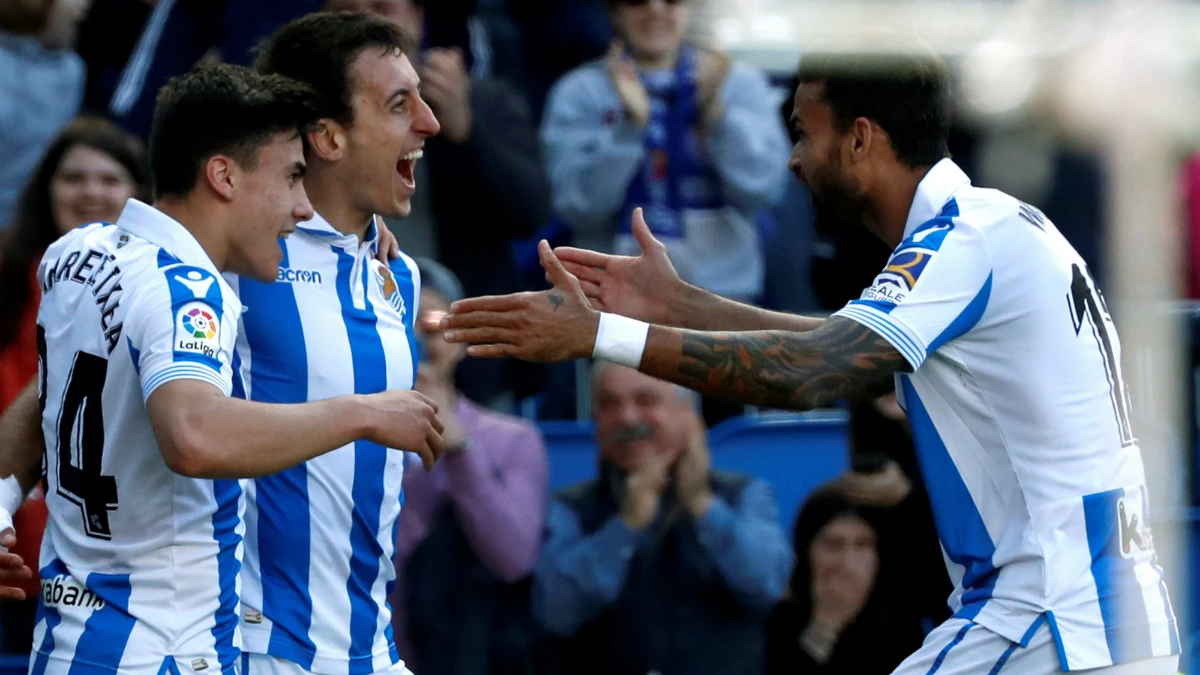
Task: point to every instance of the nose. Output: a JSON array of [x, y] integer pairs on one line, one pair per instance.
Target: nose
[[92, 187], [303, 209], [797, 167], [426, 122]]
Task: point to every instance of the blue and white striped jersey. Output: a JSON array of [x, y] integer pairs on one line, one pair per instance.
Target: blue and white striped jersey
[[320, 537], [141, 564], [1021, 421]]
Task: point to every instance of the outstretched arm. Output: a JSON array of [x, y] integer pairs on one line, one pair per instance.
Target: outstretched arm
[[646, 287], [778, 368]]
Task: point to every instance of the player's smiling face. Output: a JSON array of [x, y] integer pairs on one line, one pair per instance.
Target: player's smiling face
[[270, 200], [817, 162], [385, 140]]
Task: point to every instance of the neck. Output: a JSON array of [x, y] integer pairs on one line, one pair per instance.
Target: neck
[[892, 203], [329, 199], [201, 222], [661, 62]]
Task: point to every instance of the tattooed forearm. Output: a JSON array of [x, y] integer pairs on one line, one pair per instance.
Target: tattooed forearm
[[777, 369]]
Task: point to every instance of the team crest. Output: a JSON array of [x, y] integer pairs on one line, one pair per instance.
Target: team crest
[[904, 269], [390, 289]]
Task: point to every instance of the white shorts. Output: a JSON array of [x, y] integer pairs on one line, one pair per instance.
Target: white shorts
[[961, 647], [261, 664]]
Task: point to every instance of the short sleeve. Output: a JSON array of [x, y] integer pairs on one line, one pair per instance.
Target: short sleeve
[[934, 289], [178, 328]]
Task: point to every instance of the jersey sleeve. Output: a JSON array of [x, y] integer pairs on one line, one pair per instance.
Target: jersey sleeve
[[178, 328], [935, 288]]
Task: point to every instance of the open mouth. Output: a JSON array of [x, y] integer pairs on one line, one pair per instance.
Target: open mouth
[[406, 167]]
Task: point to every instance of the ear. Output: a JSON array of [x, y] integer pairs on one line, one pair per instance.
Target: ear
[[862, 137], [220, 174], [328, 141]]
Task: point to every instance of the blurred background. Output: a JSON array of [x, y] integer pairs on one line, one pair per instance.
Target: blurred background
[[1088, 109]]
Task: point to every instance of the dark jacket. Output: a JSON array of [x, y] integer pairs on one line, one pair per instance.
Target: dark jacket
[[673, 615]]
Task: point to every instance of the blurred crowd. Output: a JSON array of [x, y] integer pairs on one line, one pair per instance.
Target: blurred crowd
[[558, 118]]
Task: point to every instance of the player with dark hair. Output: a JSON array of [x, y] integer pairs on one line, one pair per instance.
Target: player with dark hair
[[997, 340], [136, 336], [320, 537]]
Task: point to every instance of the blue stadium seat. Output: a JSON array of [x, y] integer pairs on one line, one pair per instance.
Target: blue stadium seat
[[14, 665], [794, 453]]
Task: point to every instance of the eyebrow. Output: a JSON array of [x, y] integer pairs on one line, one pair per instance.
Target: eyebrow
[[402, 91]]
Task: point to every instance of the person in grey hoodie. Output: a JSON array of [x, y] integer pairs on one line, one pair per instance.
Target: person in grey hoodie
[[682, 132]]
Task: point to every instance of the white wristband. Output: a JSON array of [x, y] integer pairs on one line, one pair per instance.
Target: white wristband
[[10, 501], [620, 340]]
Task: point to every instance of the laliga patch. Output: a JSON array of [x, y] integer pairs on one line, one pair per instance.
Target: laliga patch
[[390, 289], [197, 330]]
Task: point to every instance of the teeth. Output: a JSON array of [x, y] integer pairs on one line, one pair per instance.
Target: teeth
[[415, 154]]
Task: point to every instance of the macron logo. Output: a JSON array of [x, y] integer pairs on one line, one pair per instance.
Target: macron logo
[[298, 276]]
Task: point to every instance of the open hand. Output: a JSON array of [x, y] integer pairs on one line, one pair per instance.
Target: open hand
[[644, 287], [553, 325]]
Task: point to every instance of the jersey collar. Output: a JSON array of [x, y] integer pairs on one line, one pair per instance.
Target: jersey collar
[[319, 227], [146, 222], [934, 190]]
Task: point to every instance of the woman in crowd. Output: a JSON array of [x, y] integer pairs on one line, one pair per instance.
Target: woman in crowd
[[833, 622], [86, 175]]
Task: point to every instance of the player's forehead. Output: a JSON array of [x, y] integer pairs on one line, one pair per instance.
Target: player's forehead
[[377, 75], [283, 149], [809, 107]]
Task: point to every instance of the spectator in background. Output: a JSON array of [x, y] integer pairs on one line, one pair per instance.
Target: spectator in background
[[682, 132], [481, 187], [179, 34], [835, 621], [661, 564], [885, 476], [471, 528], [41, 86], [86, 175]]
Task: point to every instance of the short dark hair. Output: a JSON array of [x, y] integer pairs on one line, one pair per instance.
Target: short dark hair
[[318, 49], [229, 110], [907, 95]]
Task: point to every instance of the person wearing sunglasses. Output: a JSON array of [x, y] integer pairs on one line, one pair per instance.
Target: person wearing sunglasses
[[680, 131]]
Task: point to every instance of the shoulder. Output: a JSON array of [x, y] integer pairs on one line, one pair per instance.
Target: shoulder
[[746, 75], [587, 81]]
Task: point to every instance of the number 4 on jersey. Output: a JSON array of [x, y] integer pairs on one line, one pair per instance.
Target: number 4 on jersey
[[80, 427], [1085, 300]]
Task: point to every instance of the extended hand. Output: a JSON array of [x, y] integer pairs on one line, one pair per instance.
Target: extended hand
[[644, 287], [553, 325]]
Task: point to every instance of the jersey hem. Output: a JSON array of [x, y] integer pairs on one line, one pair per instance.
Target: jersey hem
[[1015, 630], [284, 647]]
